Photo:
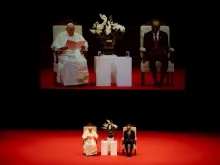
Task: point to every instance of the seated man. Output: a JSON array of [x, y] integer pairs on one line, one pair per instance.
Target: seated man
[[129, 139], [70, 58], [157, 48], [90, 137]]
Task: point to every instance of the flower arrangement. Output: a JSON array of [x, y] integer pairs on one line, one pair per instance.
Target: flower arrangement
[[108, 31], [110, 126]]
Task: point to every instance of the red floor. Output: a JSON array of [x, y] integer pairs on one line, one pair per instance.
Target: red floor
[[179, 81], [65, 148]]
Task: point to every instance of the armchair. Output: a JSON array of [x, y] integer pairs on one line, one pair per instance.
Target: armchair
[[94, 128], [56, 30], [145, 67], [135, 144]]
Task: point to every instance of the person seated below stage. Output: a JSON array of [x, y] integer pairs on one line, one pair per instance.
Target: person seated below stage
[[72, 65], [90, 142], [157, 49], [129, 139]]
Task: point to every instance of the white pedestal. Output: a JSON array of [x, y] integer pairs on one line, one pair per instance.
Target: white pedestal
[[105, 69], [109, 143], [114, 148], [103, 72], [123, 71], [104, 147]]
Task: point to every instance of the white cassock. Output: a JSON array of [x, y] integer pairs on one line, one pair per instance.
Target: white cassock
[[72, 67], [90, 146]]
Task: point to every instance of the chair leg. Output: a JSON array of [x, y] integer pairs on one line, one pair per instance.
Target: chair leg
[[123, 151], [142, 78], [135, 152], [168, 78], [172, 78], [55, 78]]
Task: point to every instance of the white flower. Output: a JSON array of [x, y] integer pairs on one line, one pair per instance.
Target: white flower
[[115, 126], [108, 31], [92, 31], [103, 17], [99, 27], [122, 28], [107, 27], [98, 31], [105, 125]]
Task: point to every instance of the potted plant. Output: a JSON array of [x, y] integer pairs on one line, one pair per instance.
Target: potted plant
[[110, 127], [108, 32]]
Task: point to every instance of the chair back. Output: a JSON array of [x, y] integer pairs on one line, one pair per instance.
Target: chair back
[[146, 28], [61, 28], [132, 128], [94, 128]]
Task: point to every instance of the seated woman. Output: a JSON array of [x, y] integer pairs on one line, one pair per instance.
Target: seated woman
[[89, 138]]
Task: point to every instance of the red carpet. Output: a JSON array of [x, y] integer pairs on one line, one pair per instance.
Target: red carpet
[[179, 81], [65, 148]]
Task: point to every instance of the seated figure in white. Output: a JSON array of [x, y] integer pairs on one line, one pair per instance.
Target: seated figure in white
[[90, 142], [72, 65]]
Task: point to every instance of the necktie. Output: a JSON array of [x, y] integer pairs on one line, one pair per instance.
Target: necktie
[[155, 41]]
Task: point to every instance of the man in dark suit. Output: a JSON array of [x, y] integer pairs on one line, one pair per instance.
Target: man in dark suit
[[129, 138], [157, 48]]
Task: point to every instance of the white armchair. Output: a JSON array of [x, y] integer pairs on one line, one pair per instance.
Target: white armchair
[[145, 67], [56, 30], [134, 145], [94, 128]]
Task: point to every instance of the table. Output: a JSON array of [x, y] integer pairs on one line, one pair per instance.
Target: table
[[105, 69], [112, 69], [104, 147], [123, 71], [113, 147], [109, 142]]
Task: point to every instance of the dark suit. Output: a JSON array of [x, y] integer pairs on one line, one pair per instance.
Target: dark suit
[[153, 54], [129, 139]]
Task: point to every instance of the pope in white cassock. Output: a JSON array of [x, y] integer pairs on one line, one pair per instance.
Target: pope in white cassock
[[90, 138], [72, 66]]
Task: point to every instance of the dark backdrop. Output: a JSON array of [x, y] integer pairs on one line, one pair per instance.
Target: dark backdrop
[[132, 15], [74, 109]]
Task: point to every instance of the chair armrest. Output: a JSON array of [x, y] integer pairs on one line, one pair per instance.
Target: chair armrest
[[171, 49], [171, 55], [142, 49], [55, 54]]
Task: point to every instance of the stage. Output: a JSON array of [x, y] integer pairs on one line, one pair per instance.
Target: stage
[[47, 81], [65, 148]]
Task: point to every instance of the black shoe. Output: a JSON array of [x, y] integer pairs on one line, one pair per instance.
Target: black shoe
[[156, 84], [161, 84]]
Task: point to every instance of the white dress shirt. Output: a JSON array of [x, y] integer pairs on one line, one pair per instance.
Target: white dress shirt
[[157, 35]]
